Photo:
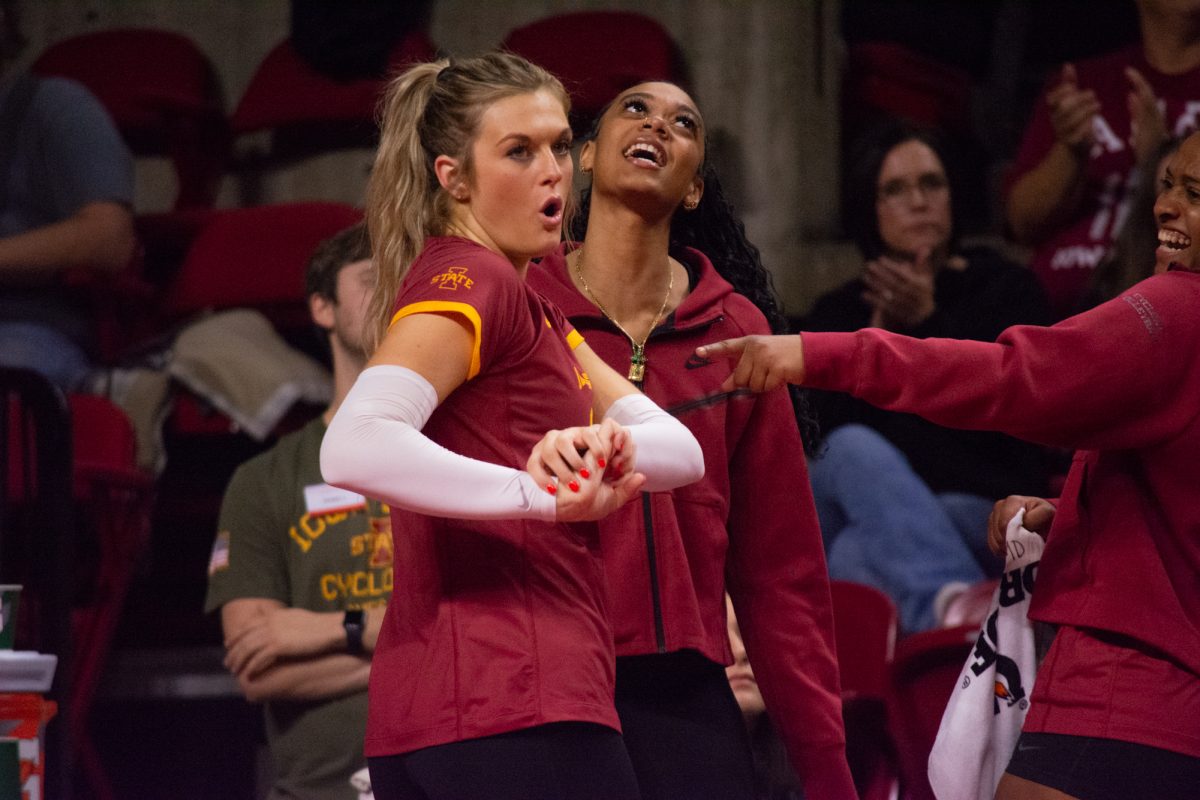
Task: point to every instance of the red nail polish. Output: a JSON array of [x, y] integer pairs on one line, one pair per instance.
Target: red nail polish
[[583, 473], [600, 462], [551, 488], [574, 486]]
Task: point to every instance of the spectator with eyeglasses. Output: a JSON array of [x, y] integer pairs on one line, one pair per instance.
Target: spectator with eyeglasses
[[904, 503]]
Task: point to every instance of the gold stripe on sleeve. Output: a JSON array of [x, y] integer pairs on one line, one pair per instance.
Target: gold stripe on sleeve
[[446, 307]]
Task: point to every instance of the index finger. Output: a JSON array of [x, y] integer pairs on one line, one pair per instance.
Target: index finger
[[727, 348]]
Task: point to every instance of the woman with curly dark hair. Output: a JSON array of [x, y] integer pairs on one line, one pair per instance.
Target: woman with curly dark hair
[[662, 266]]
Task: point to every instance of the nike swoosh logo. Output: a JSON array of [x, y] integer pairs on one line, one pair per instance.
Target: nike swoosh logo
[[694, 362]]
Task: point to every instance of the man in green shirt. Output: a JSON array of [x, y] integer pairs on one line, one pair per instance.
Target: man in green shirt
[[302, 571]]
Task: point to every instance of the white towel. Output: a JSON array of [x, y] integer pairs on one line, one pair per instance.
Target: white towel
[[238, 362], [987, 708], [361, 781]]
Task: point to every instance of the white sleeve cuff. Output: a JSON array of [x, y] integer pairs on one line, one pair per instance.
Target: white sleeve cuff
[[667, 452]]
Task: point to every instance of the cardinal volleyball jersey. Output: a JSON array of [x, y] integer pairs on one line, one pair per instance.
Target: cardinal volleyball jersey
[[500, 624]]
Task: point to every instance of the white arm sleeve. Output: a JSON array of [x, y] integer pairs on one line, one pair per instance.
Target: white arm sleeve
[[374, 446], [667, 452]]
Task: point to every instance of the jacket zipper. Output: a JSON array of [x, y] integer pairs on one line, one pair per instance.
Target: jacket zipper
[[660, 636]]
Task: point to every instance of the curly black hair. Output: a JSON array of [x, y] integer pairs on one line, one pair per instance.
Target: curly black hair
[[715, 230]]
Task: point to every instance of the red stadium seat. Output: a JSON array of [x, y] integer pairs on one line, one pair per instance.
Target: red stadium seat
[[597, 54], [309, 112], [251, 258], [866, 625], [891, 80], [925, 670], [255, 258]]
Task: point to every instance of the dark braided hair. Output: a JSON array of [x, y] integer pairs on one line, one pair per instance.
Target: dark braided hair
[[716, 231]]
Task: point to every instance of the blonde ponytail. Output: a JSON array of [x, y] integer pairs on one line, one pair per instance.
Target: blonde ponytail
[[399, 196]]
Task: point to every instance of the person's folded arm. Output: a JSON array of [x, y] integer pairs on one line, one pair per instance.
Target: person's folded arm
[[320, 678], [98, 236], [278, 652]]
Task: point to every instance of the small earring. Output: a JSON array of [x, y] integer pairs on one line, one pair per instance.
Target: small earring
[[690, 205]]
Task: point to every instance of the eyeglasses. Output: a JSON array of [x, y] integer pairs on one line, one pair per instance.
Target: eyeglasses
[[931, 184]]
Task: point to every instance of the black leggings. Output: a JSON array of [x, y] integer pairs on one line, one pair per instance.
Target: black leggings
[[1105, 769], [575, 760], [683, 728]]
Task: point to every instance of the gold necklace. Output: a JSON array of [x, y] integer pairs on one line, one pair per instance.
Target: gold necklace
[[637, 359]]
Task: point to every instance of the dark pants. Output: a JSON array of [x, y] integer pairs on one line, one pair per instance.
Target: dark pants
[[683, 728], [560, 761], [1105, 769]]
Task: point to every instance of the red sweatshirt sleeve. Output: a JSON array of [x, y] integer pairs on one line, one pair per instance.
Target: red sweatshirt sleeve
[[780, 588], [1105, 379]]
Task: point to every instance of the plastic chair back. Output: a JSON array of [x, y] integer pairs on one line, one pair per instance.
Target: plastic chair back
[[925, 670], [597, 54], [865, 625], [255, 257], [890, 79], [308, 111]]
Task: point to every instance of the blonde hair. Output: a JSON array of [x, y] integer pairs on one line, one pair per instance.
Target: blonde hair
[[431, 109]]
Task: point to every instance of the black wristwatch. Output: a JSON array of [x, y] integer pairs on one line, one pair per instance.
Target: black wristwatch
[[353, 623]]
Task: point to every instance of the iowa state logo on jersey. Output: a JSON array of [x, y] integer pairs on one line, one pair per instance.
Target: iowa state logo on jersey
[[453, 279], [381, 546]]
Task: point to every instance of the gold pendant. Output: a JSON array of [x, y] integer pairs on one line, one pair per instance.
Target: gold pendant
[[637, 363]]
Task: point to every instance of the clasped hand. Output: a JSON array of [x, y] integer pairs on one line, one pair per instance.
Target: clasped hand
[[589, 470]]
